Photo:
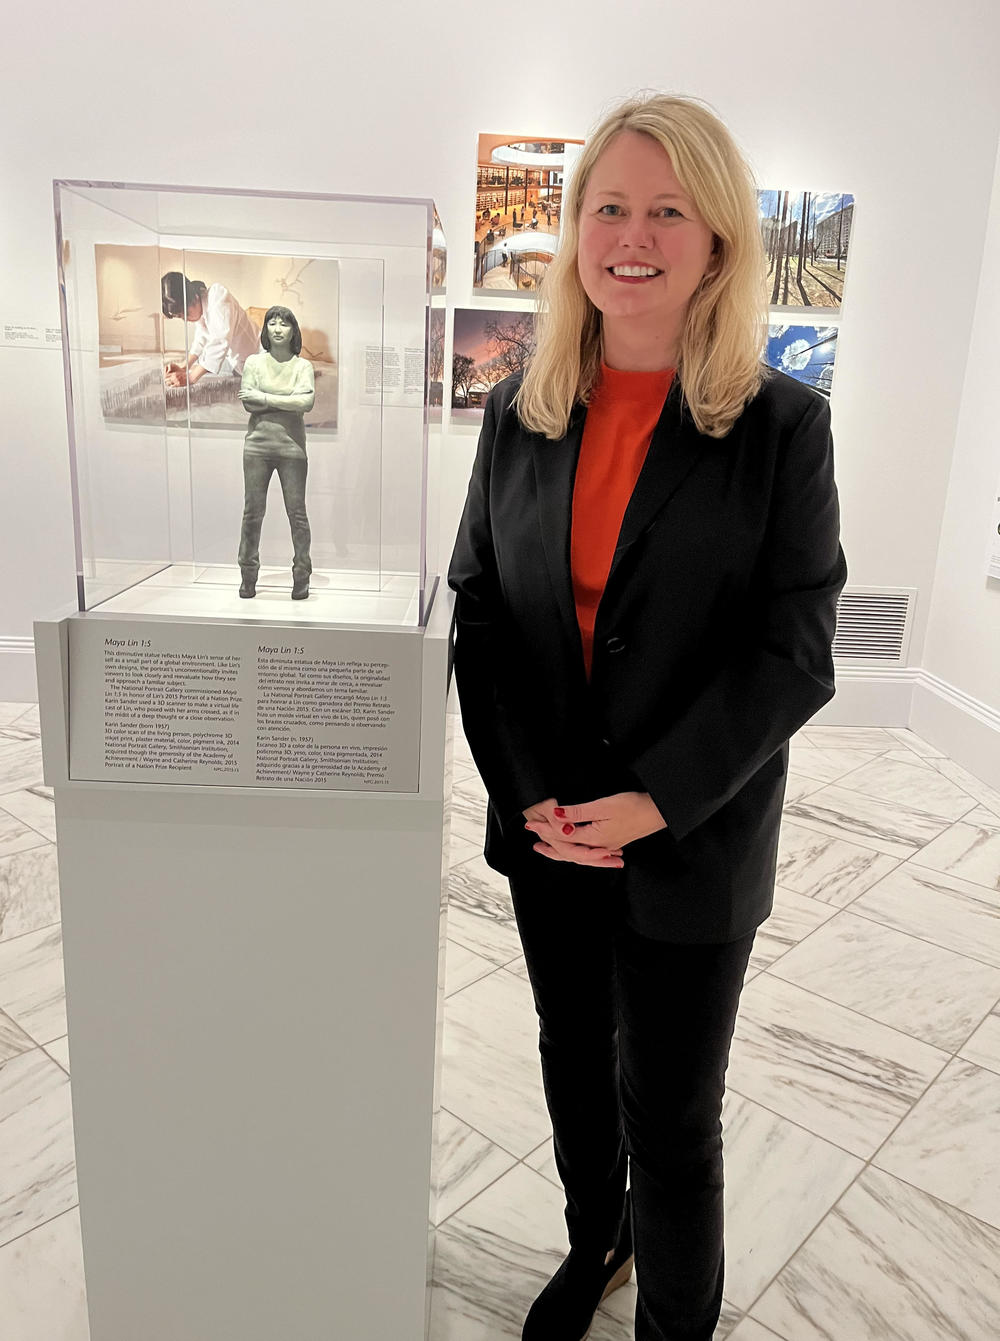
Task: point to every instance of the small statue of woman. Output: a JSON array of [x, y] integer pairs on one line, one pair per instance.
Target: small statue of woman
[[278, 389]]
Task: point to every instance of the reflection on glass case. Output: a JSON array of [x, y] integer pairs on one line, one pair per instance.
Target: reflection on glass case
[[250, 377]]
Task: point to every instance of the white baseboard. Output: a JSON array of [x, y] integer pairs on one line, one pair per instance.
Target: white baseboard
[[870, 696], [17, 670], [966, 729], [963, 727]]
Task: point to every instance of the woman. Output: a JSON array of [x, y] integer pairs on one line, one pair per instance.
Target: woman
[[646, 572], [278, 389], [224, 337]]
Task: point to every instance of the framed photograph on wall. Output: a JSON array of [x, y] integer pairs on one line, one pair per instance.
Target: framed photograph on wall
[[489, 345], [519, 190], [806, 353], [806, 236]]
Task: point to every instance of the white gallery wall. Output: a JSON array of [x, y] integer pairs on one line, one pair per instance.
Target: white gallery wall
[[960, 685], [896, 103]]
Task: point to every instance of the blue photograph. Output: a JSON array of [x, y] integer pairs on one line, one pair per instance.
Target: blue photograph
[[806, 353]]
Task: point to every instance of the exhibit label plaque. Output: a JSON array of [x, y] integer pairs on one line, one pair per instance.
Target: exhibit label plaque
[[230, 704]]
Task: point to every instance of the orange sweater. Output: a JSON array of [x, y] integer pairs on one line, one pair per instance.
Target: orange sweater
[[623, 412]]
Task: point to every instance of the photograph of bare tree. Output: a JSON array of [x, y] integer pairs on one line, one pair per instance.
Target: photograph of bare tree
[[488, 346], [806, 353], [806, 238]]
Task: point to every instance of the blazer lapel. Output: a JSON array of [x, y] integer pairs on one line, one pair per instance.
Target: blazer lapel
[[555, 472], [674, 451]]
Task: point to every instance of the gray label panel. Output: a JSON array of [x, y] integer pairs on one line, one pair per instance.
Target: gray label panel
[[245, 707]]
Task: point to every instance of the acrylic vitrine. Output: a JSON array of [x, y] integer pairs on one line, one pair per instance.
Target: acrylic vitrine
[[164, 293]]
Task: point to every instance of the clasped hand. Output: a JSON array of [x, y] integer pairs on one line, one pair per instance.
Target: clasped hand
[[252, 399], [595, 833]]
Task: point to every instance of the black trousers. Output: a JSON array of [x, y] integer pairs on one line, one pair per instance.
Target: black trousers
[[292, 472], [634, 1037]]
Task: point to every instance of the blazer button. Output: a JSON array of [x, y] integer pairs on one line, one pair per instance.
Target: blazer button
[[614, 644]]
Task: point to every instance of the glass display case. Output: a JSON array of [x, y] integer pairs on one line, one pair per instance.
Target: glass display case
[[188, 420]]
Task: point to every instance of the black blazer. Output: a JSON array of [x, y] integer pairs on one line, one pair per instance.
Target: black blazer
[[711, 647]]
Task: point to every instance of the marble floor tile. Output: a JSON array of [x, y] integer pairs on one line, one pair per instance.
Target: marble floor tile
[[32, 992], [728, 1320], [889, 1263], [913, 986], [29, 721], [970, 849], [463, 770], [884, 826], [454, 1318], [10, 712], [952, 913], [20, 760], [749, 1330], [14, 1042], [949, 1145], [519, 967], [915, 786], [35, 807], [461, 850], [798, 785], [480, 912], [793, 917], [468, 811], [491, 1076], [462, 967], [615, 1321], [543, 1161], [58, 1050], [36, 1144], [985, 794], [780, 1182], [825, 765], [465, 1164], [849, 737], [460, 747], [494, 1255], [908, 757], [914, 742], [983, 1047], [839, 1075], [13, 735], [42, 1293], [29, 891], [825, 868], [16, 836]]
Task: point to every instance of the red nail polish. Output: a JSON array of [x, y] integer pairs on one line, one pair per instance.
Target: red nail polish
[[559, 812], [567, 828]]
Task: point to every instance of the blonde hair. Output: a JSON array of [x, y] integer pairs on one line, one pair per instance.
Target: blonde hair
[[719, 360]]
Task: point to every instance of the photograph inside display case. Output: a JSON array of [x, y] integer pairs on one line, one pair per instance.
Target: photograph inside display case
[[519, 190], [189, 369], [439, 257], [435, 364]]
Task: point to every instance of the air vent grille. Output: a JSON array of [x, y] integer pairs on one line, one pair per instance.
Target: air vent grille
[[873, 625]]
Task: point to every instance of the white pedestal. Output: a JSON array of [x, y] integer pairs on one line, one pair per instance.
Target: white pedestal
[[252, 982]]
